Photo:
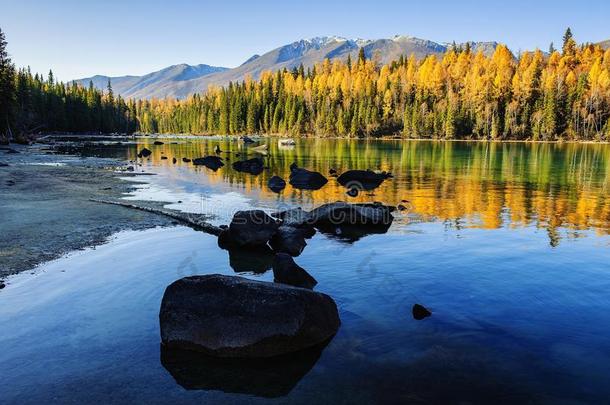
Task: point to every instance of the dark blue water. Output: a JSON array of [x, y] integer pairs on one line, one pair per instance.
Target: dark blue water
[[518, 316]]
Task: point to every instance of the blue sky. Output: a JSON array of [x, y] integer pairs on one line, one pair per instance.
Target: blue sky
[[82, 38]]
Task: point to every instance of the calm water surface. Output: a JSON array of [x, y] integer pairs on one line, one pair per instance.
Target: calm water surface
[[507, 245]]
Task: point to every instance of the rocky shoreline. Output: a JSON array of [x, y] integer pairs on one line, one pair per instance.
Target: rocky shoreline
[[45, 207]]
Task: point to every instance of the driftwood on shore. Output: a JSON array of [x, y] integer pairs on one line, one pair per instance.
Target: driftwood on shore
[[195, 221]]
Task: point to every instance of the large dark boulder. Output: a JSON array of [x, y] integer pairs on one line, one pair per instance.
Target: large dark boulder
[[305, 179], [253, 166], [250, 229], [276, 184], [286, 271], [235, 317], [362, 179], [288, 239], [211, 162]]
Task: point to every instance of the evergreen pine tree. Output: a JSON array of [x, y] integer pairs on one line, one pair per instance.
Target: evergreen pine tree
[[7, 89]]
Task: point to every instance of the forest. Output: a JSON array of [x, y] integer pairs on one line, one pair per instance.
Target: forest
[[563, 94], [31, 103]]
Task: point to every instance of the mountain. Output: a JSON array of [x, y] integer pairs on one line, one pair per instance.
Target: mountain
[[604, 44], [155, 84], [182, 80]]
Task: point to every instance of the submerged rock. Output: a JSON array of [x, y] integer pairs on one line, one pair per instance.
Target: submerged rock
[[157, 143], [420, 312], [144, 153], [288, 239], [235, 317], [2, 164], [174, 160], [305, 179], [247, 139], [211, 162], [250, 228], [276, 184], [253, 166], [163, 157], [186, 160], [286, 271], [2, 285], [364, 179]]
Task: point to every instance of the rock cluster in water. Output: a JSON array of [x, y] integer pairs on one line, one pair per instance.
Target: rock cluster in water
[[226, 316], [234, 317]]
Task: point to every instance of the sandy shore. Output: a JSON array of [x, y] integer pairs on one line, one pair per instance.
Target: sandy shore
[[45, 209]]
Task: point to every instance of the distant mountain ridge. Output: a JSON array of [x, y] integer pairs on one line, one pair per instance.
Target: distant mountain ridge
[[154, 84], [180, 81]]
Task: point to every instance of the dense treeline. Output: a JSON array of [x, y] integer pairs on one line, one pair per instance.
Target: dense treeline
[[561, 95], [462, 94], [30, 103]]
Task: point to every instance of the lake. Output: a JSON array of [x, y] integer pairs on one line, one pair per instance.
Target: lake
[[506, 243]]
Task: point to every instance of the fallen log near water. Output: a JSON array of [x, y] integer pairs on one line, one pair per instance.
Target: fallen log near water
[[195, 221]]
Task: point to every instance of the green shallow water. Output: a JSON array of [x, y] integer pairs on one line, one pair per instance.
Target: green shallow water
[[507, 245]]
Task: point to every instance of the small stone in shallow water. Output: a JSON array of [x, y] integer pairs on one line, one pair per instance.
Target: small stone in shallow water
[[305, 179], [420, 312], [158, 143], [352, 192], [2, 285], [276, 184], [253, 166], [144, 153], [211, 162], [186, 160]]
